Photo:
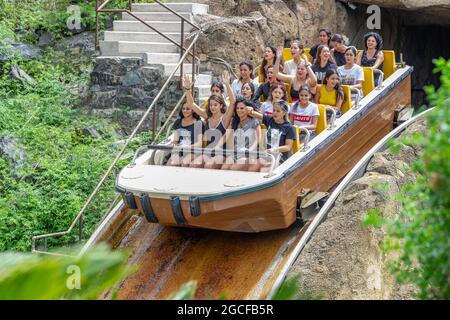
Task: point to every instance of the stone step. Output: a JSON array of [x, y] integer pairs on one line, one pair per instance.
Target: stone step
[[111, 48], [156, 57], [204, 90], [169, 67], [157, 16], [203, 79], [161, 26], [194, 8], [141, 36]]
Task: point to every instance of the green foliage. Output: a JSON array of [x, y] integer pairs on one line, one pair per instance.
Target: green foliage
[[420, 235], [373, 218], [62, 164], [290, 290], [30, 276], [186, 292]]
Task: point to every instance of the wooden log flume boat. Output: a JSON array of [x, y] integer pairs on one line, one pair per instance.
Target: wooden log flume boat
[[256, 201]]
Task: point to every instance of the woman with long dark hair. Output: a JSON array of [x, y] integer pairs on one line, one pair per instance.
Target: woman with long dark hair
[[245, 76], [352, 74], [217, 118], [338, 51], [331, 93], [323, 63], [303, 76], [246, 133], [324, 40], [280, 132], [372, 56], [188, 134], [270, 56]]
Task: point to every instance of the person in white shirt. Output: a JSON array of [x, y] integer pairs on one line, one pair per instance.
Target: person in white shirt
[[304, 113], [277, 93], [290, 66], [352, 74], [245, 76]]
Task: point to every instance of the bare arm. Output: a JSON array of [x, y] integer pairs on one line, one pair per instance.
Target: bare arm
[[317, 97], [286, 148], [230, 110], [254, 114], [312, 76], [313, 125], [379, 61], [358, 85], [190, 100], [276, 68], [359, 58], [339, 102]]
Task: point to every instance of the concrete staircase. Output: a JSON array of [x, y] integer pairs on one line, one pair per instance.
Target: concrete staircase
[[131, 38]]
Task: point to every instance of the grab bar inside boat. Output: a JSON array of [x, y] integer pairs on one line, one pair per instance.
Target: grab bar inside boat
[[380, 81], [358, 97], [307, 138], [333, 117], [246, 153]]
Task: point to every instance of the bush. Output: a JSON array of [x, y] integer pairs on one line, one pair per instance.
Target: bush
[[420, 235]]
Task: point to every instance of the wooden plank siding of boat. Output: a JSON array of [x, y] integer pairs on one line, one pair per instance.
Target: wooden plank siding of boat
[[274, 207]]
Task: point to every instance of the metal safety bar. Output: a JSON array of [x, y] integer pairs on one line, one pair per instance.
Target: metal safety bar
[[380, 80], [307, 138], [247, 153], [79, 217], [333, 117], [357, 92]]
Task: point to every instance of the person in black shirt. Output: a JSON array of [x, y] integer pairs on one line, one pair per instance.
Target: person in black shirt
[[264, 89], [188, 133], [280, 132], [323, 64], [324, 40], [338, 51]]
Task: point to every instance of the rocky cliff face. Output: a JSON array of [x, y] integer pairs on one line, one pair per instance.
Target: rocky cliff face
[[343, 259], [433, 7], [240, 30]]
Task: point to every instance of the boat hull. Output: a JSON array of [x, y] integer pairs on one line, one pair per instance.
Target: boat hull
[[274, 207]]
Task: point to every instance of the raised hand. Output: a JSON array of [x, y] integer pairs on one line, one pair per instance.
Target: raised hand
[[187, 81], [226, 76], [280, 51]]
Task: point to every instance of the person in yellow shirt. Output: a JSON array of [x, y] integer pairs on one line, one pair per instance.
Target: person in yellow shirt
[[331, 93]]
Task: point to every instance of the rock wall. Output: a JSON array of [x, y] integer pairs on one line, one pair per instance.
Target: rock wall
[[123, 89], [240, 30], [343, 259]]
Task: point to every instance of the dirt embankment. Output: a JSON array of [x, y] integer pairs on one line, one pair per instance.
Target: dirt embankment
[[343, 259]]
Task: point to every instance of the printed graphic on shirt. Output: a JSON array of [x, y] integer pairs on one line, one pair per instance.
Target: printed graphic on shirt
[[275, 136], [185, 137]]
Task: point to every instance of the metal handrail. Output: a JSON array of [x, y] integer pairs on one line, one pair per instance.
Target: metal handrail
[[307, 138], [247, 153], [380, 81], [333, 117], [177, 14], [357, 92], [79, 216]]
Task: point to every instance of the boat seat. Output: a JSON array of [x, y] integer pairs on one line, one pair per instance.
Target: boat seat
[[369, 81], [347, 104], [322, 121], [296, 146], [288, 90], [288, 56], [389, 64]]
